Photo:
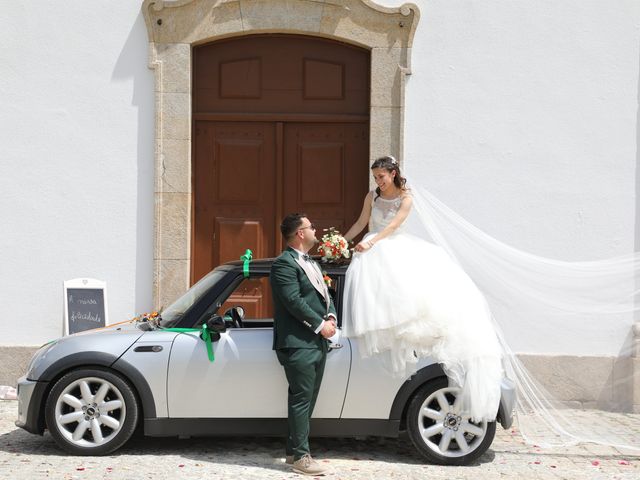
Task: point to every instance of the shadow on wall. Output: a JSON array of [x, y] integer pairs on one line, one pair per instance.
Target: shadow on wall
[[133, 64], [637, 219]]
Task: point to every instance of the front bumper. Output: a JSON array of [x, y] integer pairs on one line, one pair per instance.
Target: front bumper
[[29, 401]]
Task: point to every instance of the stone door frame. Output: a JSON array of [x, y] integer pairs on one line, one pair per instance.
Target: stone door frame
[[174, 27]]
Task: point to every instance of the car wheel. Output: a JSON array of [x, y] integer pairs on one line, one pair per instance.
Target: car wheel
[[440, 432], [91, 412]]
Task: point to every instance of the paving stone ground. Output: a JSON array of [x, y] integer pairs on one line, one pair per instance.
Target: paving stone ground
[[27, 456]]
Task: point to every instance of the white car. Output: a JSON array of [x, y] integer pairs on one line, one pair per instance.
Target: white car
[[91, 390]]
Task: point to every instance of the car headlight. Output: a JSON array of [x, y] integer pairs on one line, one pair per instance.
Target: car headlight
[[37, 356]]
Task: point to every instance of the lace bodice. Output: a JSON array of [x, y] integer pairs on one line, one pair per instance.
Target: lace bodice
[[382, 212]]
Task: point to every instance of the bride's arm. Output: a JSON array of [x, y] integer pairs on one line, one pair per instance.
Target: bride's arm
[[362, 221], [401, 216]]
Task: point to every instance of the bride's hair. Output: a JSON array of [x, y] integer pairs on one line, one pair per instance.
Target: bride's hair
[[390, 164]]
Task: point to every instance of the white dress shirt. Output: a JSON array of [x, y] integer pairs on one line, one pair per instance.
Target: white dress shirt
[[330, 315]]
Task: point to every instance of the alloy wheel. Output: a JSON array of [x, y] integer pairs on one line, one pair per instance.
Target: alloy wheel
[[445, 429]]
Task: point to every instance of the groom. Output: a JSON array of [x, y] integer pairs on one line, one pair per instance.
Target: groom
[[304, 317]]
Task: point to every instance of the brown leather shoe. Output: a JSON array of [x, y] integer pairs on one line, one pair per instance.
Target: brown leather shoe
[[308, 466]]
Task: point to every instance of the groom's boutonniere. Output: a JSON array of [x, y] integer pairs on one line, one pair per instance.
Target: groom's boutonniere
[[327, 279]]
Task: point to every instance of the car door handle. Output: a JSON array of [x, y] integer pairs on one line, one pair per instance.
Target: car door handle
[[334, 346]]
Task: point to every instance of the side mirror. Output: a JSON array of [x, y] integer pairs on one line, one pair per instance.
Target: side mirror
[[234, 316], [216, 325]]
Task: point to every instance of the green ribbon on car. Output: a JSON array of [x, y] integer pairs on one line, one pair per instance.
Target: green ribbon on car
[[205, 334], [246, 258]]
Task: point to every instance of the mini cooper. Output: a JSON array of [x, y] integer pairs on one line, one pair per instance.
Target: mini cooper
[[93, 389]]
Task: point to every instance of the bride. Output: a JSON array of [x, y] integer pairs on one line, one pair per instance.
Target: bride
[[407, 299]]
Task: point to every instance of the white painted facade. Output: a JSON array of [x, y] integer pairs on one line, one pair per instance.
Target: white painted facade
[[522, 116], [76, 174]]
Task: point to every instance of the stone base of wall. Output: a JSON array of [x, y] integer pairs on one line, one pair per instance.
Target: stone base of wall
[[13, 363], [583, 382], [604, 383], [636, 386]]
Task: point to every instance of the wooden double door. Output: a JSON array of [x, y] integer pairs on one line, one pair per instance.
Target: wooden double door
[[280, 125], [249, 175]]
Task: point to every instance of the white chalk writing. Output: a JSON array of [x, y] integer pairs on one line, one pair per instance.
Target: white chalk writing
[[91, 317], [87, 301]]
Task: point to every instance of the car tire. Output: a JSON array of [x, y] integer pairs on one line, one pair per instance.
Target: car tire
[[439, 432], [91, 411]]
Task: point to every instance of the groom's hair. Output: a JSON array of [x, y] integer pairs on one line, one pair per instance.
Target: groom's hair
[[290, 224]]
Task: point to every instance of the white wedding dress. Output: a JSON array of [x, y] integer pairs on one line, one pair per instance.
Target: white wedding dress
[[405, 299]]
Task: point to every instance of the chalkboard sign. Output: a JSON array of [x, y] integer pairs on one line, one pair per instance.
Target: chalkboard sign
[[85, 305]]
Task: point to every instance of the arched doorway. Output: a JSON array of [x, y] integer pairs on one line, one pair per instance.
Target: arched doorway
[[281, 125], [177, 27]]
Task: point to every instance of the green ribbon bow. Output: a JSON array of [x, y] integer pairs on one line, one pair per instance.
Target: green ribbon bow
[[205, 333], [247, 258]]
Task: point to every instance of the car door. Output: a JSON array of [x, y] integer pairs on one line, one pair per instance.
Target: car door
[[245, 380]]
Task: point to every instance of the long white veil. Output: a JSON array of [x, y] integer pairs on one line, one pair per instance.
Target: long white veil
[[541, 305]]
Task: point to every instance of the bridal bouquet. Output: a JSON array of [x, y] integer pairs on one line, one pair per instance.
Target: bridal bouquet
[[333, 246]]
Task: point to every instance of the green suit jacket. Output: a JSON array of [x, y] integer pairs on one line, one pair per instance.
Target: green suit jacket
[[299, 308]]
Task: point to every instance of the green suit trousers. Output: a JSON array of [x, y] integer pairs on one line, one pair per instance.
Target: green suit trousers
[[304, 368]]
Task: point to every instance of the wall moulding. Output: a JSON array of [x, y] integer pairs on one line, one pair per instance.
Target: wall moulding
[[174, 27]]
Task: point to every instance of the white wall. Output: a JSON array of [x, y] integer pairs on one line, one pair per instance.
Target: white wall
[[520, 115], [76, 166]]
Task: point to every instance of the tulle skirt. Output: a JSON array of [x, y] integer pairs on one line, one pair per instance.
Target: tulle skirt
[[406, 299]]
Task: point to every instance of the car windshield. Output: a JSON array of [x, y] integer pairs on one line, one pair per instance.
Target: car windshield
[[174, 312]]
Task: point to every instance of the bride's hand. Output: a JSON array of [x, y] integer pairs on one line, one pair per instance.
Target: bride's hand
[[363, 246]]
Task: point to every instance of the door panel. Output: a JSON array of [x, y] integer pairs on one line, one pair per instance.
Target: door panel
[[234, 195], [245, 380], [326, 172], [281, 73]]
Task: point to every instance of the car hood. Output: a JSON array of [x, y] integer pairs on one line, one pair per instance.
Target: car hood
[[101, 346]]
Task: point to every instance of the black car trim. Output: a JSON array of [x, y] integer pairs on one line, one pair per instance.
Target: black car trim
[[35, 411], [75, 360], [140, 384], [198, 309], [423, 376], [260, 267], [409, 387], [35, 414], [276, 427], [35, 417], [505, 420]]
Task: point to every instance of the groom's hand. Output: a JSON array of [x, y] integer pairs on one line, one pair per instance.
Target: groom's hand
[[328, 329]]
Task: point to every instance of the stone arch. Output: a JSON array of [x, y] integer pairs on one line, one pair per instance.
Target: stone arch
[[173, 27]]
